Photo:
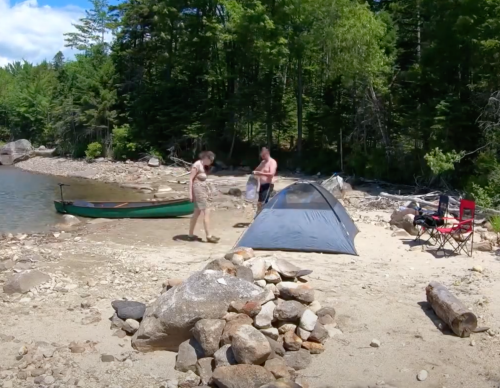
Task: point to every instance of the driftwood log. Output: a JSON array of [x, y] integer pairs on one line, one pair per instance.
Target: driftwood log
[[435, 204], [451, 310]]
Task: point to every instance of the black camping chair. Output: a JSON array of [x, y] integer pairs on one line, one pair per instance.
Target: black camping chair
[[428, 222]]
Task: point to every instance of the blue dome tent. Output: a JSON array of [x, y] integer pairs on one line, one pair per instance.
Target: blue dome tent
[[302, 217]]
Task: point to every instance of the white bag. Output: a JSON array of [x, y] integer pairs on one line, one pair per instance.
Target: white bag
[[251, 189]]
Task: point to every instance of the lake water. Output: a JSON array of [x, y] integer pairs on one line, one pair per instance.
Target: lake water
[[26, 199]]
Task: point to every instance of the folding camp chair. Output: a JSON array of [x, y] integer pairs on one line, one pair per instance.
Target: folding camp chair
[[428, 222], [460, 234]]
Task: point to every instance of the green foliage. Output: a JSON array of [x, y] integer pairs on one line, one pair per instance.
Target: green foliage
[[440, 162], [94, 150], [123, 146], [482, 195], [495, 223], [382, 89]]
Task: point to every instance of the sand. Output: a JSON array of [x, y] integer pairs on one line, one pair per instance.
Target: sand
[[379, 295]]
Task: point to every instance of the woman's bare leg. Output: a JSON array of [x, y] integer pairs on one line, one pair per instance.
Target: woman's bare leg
[[206, 222], [192, 222]]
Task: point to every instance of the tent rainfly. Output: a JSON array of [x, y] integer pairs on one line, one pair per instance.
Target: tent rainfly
[[302, 217]]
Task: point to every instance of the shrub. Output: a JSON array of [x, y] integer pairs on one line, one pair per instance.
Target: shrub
[[123, 147], [495, 223], [94, 150]]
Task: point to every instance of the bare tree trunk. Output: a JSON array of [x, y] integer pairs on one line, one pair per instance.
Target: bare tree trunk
[[299, 110]]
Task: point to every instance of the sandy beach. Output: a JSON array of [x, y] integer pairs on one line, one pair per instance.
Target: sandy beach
[[378, 295]]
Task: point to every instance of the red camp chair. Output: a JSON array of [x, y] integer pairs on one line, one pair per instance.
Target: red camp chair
[[460, 234]]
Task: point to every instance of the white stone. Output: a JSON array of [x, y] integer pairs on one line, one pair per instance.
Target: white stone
[[271, 332], [308, 320], [375, 343], [264, 319], [422, 375], [303, 334], [258, 267], [315, 306]]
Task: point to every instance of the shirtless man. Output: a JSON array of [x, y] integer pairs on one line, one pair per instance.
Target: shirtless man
[[265, 172]]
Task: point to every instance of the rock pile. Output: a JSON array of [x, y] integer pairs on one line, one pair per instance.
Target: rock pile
[[243, 321]]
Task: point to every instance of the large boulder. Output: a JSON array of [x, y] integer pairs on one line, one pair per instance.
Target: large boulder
[[204, 295], [16, 151], [22, 282]]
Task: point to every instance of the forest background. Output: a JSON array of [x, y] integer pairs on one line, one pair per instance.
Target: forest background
[[400, 90]]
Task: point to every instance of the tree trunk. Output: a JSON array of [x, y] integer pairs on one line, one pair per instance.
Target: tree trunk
[[269, 109], [451, 310], [299, 110]]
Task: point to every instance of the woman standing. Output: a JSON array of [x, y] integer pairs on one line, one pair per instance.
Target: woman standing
[[199, 194]]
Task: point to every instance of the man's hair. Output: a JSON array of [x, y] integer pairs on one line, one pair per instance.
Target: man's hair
[[265, 149], [207, 154]]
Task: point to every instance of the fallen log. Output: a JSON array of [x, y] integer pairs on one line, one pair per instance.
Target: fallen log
[[434, 204], [451, 310]]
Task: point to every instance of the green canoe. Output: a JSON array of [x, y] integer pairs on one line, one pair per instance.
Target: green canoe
[[164, 209]]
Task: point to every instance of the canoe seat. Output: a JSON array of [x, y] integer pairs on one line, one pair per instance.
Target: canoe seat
[[83, 203]]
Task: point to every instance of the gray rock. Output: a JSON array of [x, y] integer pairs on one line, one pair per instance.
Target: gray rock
[[299, 291], [232, 326], [298, 360], [168, 322], [107, 358], [375, 343], [187, 356], [208, 333], [241, 376], [288, 270], [292, 341], [204, 369], [15, 152], [250, 346], [277, 366], [258, 267], [116, 323], [264, 319], [308, 320], [22, 282], [189, 380], [154, 162], [303, 334], [276, 347], [127, 309], [326, 315], [271, 332], [234, 192], [224, 356], [319, 334], [272, 276], [290, 310], [222, 265], [48, 380], [244, 273], [131, 326]]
